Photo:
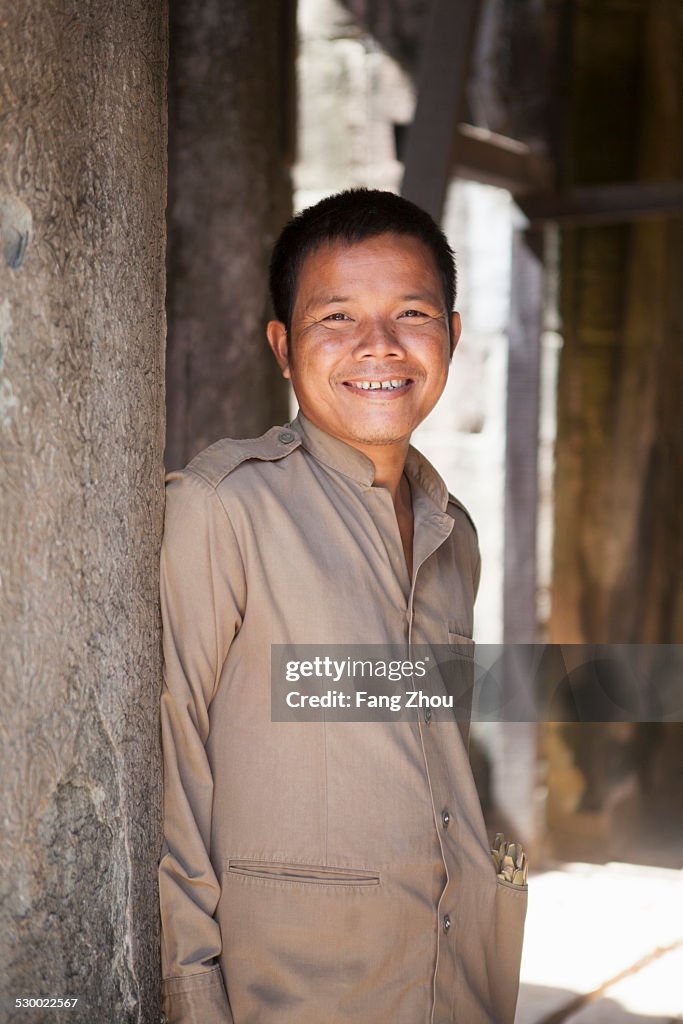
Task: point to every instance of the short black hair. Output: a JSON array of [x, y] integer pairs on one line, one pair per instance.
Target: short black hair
[[351, 217]]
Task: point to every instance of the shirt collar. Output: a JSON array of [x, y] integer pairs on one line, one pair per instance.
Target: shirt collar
[[346, 459]]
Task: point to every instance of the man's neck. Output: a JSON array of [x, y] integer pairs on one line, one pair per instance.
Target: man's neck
[[389, 461]]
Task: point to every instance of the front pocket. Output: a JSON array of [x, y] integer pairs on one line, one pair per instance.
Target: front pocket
[[311, 874], [463, 645], [505, 948], [511, 885], [303, 939]]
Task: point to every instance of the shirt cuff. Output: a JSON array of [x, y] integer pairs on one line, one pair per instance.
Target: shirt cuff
[[195, 999]]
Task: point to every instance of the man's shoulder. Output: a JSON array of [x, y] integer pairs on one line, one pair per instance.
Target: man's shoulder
[[421, 469], [220, 459], [457, 510]]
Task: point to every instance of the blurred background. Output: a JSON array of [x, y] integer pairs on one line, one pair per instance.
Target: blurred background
[[546, 137], [150, 153]]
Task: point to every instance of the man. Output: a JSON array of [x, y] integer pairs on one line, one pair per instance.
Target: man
[[318, 872]]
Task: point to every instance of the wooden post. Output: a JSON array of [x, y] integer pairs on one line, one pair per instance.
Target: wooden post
[[521, 453], [442, 78]]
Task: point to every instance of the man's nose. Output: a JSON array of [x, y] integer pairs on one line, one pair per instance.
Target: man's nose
[[378, 339]]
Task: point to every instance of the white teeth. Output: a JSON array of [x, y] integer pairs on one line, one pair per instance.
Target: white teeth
[[375, 385]]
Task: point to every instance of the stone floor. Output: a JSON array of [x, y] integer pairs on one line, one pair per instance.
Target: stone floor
[[603, 945]]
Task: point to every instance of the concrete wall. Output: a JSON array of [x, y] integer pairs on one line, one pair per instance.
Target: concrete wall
[[82, 195]]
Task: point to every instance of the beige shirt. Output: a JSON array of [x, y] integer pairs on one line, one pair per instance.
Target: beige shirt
[[318, 872]]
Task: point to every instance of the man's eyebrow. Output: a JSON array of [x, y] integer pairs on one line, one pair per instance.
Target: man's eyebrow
[[327, 299], [323, 299], [421, 297]]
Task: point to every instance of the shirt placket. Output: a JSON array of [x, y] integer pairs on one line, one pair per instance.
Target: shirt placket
[[432, 528], [430, 534]]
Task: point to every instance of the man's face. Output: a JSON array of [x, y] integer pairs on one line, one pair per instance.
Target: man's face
[[369, 346]]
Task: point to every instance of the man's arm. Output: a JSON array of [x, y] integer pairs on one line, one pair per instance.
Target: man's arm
[[458, 511], [476, 574], [202, 592]]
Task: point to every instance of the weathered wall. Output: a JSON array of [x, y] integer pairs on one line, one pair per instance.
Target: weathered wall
[[82, 172], [619, 472], [231, 119]]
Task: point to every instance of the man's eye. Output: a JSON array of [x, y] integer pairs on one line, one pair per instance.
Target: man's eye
[[413, 313], [337, 317]]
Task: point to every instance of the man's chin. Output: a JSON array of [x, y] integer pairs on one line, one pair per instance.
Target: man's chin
[[377, 436]]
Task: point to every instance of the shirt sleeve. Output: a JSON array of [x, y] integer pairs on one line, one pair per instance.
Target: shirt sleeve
[[202, 592]]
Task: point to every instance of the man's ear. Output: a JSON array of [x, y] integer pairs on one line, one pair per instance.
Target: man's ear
[[276, 332], [456, 327]]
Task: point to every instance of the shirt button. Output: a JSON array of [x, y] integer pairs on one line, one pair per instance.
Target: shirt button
[[286, 436], [445, 818], [428, 715], [446, 923]]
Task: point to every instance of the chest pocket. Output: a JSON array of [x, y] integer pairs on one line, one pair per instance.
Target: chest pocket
[[459, 644], [310, 874]]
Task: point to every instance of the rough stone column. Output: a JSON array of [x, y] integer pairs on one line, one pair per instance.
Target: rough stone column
[[82, 236], [231, 117]]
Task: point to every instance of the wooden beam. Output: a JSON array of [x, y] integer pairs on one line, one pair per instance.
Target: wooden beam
[[605, 204], [481, 155], [442, 78]]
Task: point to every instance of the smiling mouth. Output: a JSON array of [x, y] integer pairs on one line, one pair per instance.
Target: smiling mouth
[[379, 386]]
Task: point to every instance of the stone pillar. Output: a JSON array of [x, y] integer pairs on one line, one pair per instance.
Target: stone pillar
[[231, 117], [82, 236]]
